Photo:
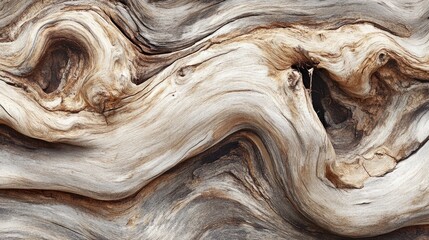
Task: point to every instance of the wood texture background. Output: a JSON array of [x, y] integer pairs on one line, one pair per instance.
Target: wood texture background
[[236, 119]]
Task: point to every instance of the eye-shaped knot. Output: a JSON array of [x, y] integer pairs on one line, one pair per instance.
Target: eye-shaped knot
[[382, 58], [183, 74], [62, 62]]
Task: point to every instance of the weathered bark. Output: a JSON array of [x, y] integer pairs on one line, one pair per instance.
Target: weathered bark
[[213, 119]]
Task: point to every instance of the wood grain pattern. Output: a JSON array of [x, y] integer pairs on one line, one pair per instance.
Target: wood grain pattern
[[234, 119]]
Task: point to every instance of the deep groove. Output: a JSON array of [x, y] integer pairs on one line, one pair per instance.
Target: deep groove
[[318, 90], [11, 137]]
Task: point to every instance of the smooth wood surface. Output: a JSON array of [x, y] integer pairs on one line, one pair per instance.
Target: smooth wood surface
[[214, 119]]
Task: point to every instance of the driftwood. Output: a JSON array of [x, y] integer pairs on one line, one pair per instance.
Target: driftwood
[[214, 119]]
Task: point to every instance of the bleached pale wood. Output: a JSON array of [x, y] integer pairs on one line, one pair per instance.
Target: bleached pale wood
[[191, 119]]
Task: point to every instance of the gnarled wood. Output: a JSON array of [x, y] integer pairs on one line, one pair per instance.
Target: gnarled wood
[[219, 119]]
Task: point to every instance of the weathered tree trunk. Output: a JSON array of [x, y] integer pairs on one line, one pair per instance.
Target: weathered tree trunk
[[214, 119]]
